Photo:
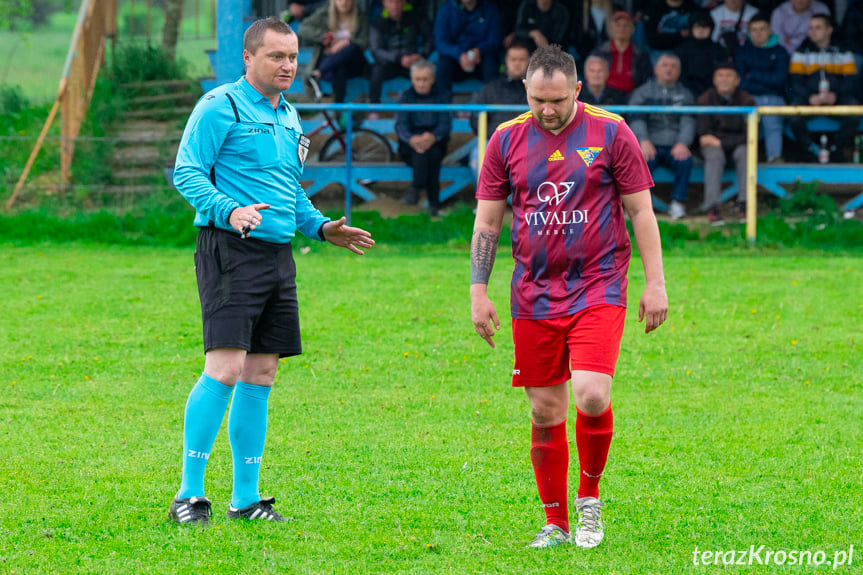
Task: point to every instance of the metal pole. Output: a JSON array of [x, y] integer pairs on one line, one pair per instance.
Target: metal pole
[[348, 154], [481, 139], [751, 175]]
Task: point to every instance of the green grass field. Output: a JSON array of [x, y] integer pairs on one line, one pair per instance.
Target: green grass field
[[34, 59], [395, 441]]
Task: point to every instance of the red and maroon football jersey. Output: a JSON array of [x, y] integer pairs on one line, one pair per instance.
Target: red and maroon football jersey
[[569, 237]]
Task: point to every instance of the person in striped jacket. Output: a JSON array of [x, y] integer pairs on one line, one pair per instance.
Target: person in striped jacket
[[823, 74]]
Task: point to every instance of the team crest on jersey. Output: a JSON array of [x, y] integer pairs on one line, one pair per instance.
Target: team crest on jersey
[[303, 149], [588, 154], [556, 156]]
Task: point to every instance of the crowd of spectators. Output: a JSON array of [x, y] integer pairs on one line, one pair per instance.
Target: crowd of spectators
[[665, 52]]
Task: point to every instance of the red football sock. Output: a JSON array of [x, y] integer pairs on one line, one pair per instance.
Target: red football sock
[[593, 438], [549, 453]]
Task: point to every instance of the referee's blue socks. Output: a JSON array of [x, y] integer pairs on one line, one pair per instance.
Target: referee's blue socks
[[205, 410], [247, 430]]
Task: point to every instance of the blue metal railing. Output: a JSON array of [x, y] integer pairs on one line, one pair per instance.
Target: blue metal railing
[[483, 109]]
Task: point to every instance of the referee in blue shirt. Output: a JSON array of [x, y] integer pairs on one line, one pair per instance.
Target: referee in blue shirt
[[239, 165]]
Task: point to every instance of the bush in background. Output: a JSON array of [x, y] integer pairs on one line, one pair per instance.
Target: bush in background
[[12, 100], [136, 62]]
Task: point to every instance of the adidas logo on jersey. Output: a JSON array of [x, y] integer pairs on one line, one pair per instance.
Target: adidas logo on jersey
[[556, 156]]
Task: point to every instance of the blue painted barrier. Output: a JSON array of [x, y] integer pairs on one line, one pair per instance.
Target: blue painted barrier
[[353, 177]]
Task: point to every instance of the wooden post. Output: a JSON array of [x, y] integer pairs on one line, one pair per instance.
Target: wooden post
[[481, 139], [11, 201], [751, 175]]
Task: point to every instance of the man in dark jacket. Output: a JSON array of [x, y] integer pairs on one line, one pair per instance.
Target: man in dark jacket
[[507, 89], [721, 136], [822, 74], [467, 39], [666, 23], [423, 135], [540, 23], [699, 54], [852, 27], [594, 89], [399, 38], [762, 64]]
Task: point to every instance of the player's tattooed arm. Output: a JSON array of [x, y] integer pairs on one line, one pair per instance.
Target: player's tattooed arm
[[483, 250]]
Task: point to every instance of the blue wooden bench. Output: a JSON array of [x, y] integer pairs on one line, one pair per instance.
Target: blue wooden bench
[[316, 176], [770, 176]]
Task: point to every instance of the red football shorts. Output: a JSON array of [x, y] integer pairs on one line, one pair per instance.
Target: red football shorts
[[547, 350]]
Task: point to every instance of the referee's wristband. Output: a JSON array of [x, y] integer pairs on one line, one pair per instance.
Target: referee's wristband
[[321, 232]]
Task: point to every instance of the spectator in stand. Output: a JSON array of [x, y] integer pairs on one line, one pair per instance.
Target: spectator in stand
[[723, 136], [590, 20], [594, 89], [790, 21], [666, 23], [822, 74], [699, 54], [762, 65], [340, 32], [852, 29], [628, 64], [730, 22], [301, 9], [506, 89], [508, 11], [423, 136], [398, 39], [467, 38], [666, 138], [540, 23]]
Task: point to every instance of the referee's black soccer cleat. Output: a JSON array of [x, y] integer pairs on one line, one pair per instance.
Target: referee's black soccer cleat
[[263, 509], [191, 510]]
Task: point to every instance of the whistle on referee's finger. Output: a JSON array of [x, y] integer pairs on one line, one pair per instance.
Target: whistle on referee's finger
[[245, 233]]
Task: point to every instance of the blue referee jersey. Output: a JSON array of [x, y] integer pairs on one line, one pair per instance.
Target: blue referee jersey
[[237, 151]]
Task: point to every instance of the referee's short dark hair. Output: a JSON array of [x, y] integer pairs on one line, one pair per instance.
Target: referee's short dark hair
[[254, 36], [550, 59]]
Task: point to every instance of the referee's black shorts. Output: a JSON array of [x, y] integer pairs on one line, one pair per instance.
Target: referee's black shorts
[[248, 293]]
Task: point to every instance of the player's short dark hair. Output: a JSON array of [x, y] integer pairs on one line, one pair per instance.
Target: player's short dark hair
[[550, 59], [760, 17], [254, 36], [828, 19]]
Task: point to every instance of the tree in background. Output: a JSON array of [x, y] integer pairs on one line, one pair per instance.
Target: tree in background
[[11, 10], [170, 33]]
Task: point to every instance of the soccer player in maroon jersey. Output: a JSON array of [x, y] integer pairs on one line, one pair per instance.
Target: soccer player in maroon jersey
[[572, 169]]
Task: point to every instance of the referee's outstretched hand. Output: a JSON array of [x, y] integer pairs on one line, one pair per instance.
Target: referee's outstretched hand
[[338, 234]]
